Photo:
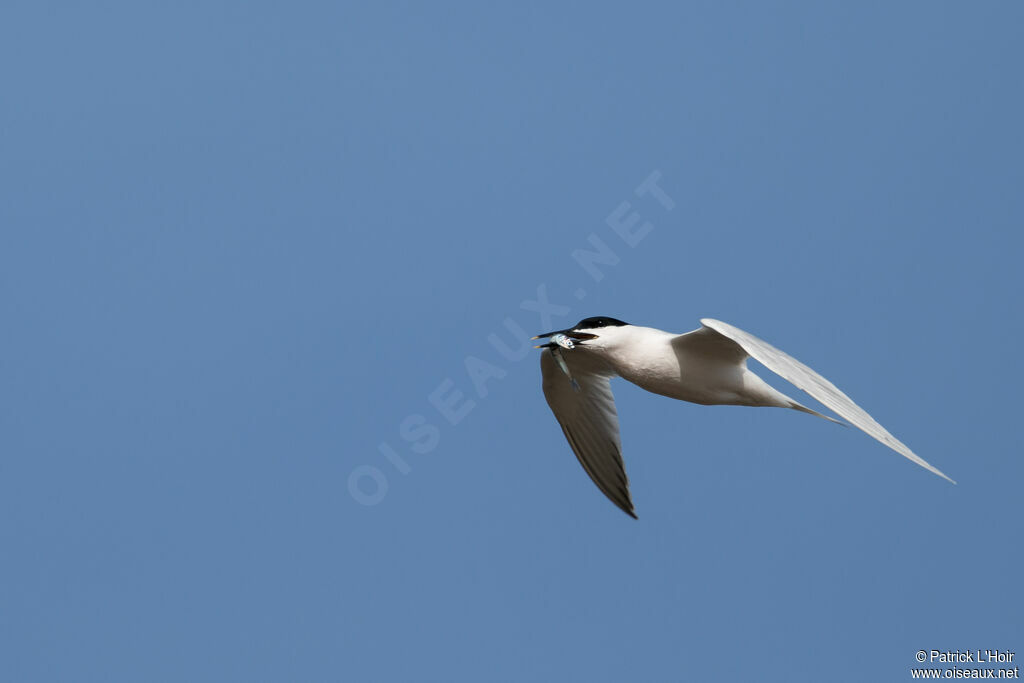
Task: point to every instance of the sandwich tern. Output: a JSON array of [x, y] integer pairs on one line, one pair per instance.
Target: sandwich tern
[[707, 366]]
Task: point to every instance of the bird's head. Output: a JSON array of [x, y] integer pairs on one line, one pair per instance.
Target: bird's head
[[596, 332]]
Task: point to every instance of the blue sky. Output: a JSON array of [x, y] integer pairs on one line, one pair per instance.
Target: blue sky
[[243, 246]]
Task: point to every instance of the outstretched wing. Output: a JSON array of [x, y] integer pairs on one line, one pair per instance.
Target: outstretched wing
[[805, 378], [588, 420]]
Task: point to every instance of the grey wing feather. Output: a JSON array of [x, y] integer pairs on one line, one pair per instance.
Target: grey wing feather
[[589, 421], [817, 386]]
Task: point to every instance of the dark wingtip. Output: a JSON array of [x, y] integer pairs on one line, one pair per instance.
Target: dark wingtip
[[626, 505]]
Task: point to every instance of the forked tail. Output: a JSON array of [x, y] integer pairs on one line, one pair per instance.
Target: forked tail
[[804, 409]]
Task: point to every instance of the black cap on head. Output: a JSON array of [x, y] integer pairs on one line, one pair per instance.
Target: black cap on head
[[585, 324], [598, 321]]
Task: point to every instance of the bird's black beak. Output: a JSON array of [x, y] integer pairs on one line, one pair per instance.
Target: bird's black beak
[[572, 334], [545, 336]]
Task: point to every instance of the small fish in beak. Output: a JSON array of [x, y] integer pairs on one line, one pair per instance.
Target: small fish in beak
[[559, 341], [563, 340]]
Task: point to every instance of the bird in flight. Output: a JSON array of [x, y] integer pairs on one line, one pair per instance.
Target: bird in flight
[[707, 366]]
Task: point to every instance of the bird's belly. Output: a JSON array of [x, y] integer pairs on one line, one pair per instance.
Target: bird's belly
[[706, 386]]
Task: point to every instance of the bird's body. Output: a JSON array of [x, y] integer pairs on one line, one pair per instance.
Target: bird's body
[[707, 366], [648, 358]]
